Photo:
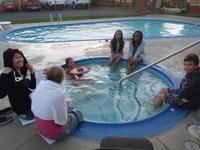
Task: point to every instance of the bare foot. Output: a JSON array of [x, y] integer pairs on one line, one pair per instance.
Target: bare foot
[[158, 101]]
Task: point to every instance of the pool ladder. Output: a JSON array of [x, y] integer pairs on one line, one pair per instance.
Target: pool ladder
[[59, 20], [158, 61], [50, 19]]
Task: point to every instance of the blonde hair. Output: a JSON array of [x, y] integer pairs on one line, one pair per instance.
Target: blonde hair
[[56, 74]]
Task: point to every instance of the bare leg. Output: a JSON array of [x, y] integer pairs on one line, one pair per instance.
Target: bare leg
[[117, 59], [129, 67], [159, 99], [110, 62], [133, 67], [112, 59], [132, 63]]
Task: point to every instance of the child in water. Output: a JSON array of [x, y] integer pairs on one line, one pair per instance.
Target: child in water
[[73, 71]]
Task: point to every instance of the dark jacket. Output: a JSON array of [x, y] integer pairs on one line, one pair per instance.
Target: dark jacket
[[18, 92], [16, 86], [190, 89]]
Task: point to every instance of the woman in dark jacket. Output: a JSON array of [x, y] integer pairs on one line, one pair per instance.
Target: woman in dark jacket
[[16, 83]]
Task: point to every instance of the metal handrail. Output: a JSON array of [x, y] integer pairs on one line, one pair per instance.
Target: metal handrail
[[59, 18], [50, 19], [158, 61]]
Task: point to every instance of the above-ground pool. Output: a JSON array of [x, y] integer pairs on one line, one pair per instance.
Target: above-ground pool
[[131, 114], [103, 30]]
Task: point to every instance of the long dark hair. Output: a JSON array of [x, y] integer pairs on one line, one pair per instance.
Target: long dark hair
[[121, 41], [137, 44], [8, 59]]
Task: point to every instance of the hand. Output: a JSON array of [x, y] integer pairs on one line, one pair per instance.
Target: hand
[[7, 70], [114, 56], [30, 68]]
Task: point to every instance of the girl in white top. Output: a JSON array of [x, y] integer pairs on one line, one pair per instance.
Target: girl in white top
[[52, 118], [136, 51]]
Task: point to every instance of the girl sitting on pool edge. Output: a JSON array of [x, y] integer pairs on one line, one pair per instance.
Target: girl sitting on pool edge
[[136, 51], [116, 48]]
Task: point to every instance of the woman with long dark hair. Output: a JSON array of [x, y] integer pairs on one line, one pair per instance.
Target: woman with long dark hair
[[136, 51], [116, 46], [16, 82]]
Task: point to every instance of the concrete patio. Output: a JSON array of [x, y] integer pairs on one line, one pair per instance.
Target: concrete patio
[[14, 136]]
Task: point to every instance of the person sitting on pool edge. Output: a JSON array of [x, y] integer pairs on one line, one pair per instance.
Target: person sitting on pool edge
[[53, 119], [116, 47], [136, 51], [188, 95]]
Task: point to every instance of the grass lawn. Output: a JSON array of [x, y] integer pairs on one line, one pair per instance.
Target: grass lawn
[[69, 18]]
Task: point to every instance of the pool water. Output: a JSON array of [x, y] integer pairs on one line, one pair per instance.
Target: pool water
[[103, 30], [100, 100]]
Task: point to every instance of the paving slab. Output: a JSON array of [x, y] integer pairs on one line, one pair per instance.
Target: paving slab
[[70, 143], [14, 134], [175, 138], [157, 145]]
